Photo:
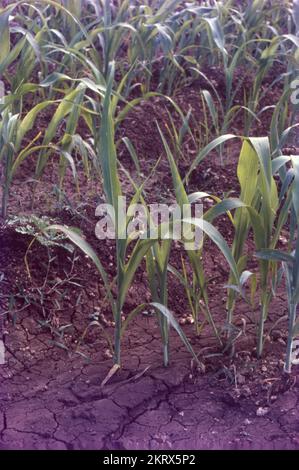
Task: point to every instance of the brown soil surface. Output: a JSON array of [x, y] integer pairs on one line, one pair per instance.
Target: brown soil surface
[[50, 389]]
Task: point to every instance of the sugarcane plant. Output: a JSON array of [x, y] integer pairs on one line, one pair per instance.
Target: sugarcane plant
[[127, 262], [257, 209], [290, 268], [205, 224], [91, 63], [15, 147], [259, 195]]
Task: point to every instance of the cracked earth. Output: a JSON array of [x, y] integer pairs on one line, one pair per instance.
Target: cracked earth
[[51, 401], [51, 397]]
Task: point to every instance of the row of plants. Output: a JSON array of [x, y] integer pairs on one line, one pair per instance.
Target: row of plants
[[94, 62]]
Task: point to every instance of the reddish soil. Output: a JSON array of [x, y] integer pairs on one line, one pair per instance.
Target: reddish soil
[[50, 389]]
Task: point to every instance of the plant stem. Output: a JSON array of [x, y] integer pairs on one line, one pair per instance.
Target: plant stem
[[117, 338], [166, 350], [5, 187], [165, 325], [292, 317], [263, 316], [4, 201]]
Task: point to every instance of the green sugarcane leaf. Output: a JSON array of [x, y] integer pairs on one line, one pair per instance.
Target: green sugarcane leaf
[[222, 207], [218, 239], [88, 250], [107, 150], [129, 270], [29, 120], [206, 150], [12, 55], [275, 255], [4, 33], [168, 314], [213, 111], [217, 33]]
